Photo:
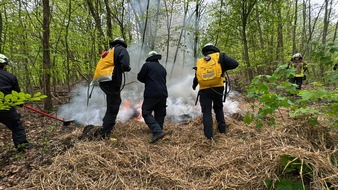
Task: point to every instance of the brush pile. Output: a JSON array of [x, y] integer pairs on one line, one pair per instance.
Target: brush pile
[[244, 158]]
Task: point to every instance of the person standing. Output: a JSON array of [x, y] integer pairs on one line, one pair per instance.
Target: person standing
[[211, 93], [300, 66], [10, 118], [112, 88], [153, 75]]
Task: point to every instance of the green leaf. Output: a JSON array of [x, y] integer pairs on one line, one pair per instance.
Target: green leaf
[[284, 184], [14, 93], [317, 84], [8, 97], [272, 78], [313, 122], [259, 125], [268, 184], [37, 94], [308, 95], [248, 118], [315, 43], [334, 49], [326, 60], [14, 98]]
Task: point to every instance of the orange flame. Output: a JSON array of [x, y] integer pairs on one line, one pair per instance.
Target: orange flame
[[136, 110]]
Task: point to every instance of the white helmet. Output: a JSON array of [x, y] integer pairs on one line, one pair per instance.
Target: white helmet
[[4, 59], [153, 54], [297, 55], [208, 44]]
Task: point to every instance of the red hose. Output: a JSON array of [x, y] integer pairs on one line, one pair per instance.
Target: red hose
[[43, 113]]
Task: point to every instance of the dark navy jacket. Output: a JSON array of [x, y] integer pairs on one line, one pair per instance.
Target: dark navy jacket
[[8, 82], [122, 63], [153, 75]]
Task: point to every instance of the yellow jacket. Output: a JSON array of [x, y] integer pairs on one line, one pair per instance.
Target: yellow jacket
[[300, 66]]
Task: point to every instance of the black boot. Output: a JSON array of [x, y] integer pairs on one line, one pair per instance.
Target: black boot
[[157, 137]]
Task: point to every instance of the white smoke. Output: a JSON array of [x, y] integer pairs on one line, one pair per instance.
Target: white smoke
[[180, 103]]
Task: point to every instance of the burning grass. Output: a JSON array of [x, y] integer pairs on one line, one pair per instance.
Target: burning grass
[[243, 159]]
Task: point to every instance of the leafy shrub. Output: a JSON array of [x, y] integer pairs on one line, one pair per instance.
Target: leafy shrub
[[274, 92], [18, 98]]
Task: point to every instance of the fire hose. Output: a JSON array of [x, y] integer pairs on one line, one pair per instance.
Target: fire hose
[[65, 123]]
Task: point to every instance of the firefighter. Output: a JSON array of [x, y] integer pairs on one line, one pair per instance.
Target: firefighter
[[211, 94], [112, 88], [10, 118], [153, 75], [300, 66]]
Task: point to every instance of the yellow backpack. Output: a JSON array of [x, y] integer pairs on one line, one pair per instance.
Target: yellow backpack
[[209, 71], [104, 68]]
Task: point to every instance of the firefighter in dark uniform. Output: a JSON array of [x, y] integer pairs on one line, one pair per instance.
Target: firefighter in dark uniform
[[211, 98], [153, 75], [10, 118], [112, 88]]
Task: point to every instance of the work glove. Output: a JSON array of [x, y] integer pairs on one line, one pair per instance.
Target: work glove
[[126, 69]]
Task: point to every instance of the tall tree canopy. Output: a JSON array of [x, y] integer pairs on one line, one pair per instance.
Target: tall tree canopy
[[260, 34]]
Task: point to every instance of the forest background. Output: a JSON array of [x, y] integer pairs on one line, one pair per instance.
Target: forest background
[[55, 43]]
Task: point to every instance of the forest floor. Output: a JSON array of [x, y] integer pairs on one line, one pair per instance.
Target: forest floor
[[244, 158]]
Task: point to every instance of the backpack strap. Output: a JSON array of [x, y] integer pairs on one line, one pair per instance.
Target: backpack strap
[[221, 61], [198, 94], [227, 85]]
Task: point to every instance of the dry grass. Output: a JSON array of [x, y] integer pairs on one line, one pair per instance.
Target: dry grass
[[183, 159]]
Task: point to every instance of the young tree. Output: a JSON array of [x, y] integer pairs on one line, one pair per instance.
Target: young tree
[[294, 30], [246, 10], [46, 55], [1, 31]]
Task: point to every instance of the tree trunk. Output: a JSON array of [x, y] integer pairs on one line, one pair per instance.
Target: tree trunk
[[197, 20], [180, 38], [261, 39], [280, 42], [138, 20], [294, 31], [1, 32], [220, 20], [109, 20], [67, 45], [314, 23], [144, 33], [246, 8], [98, 24], [303, 28], [46, 55], [152, 45], [326, 22], [169, 21], [27, 76], [122, 28], [334, 34], [325, 32]]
